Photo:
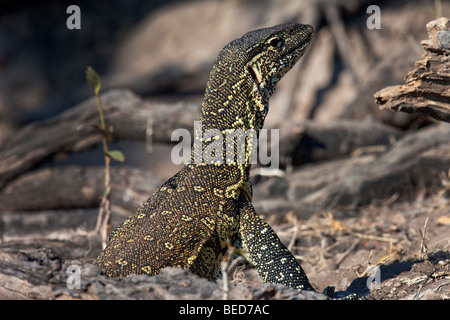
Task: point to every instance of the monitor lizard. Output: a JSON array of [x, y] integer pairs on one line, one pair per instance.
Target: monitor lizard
[[188, 222]]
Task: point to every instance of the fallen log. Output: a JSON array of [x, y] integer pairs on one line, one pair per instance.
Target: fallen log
[[77, 187], [409, 169], [73, 130], [133, 118]]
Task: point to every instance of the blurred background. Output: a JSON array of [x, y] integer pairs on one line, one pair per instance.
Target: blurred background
[[166, 48], [354, 179], [161, 52]]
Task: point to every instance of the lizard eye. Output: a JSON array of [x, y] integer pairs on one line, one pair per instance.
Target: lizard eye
[[275, 42]]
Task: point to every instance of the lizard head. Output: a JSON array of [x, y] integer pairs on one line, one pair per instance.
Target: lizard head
[[246, 72], [275, 53]]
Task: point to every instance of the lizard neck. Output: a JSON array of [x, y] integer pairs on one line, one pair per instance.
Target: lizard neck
[[233, 112]]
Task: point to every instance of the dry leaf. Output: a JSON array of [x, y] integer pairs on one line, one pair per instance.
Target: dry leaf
[[443, 220], [336, 224]]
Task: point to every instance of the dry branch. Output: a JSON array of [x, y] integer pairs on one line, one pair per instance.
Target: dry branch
[[427, 88]]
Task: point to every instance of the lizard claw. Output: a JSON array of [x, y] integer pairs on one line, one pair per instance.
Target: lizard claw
[[340, 295]]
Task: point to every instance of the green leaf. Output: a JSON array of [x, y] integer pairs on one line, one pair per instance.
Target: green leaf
[[116, 155], [93, 79]]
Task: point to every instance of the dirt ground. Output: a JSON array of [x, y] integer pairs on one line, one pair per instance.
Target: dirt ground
[[402, 250], [408, 243]]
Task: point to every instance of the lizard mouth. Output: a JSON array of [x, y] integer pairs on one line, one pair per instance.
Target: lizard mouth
[[305, 44], [302, 45], [294, 54], [290, 58]]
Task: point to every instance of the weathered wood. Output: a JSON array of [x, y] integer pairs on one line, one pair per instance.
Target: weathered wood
[[42, 274], [77, 187], [71, 186], [427, 87], [131, 116], [311, 141], [73, 130], [410, 168]]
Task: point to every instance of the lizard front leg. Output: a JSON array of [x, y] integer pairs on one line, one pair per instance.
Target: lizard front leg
[[274, 262]]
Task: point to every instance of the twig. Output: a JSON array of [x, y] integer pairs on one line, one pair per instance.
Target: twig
[[368, 266], [334, 245], [370, 237], [322, 260], [423, 245], [442, 285], [346, 253], [337, 28], [438, 8], [235, 262], [294, 235], [104, 214], [430, 275], [225, 268], [103, 225], [368, 149]]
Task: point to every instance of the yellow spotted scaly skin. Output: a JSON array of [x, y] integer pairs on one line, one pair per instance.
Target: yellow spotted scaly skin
[[189, 220]]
